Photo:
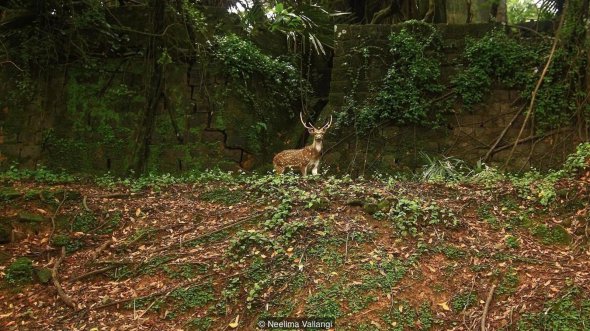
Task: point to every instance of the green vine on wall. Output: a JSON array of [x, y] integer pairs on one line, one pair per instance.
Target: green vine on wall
[[495, 57], [410, 91], [516, 63], [267, 86]]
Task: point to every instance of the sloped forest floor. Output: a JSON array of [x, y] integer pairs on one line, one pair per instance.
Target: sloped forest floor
[[220, 252]]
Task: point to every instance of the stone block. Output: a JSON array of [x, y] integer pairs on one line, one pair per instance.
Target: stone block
[[463, 131], [233, 154], [502, 95], [212, 136]]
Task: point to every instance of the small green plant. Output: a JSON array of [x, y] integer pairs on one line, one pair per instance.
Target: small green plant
[[280, 214], [406, 317], [409, 216], [537, 187], [192, 297], [84, 222], [452, 252], [463, 300], [63, 240], [245, 241], [324, 303], [445, 169], [200, 323], [569, 312], [512, 242], [577, 161], [509, 283], [40, 174], [20, 271]]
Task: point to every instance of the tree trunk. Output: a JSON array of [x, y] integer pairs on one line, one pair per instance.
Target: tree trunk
[[144, 132]]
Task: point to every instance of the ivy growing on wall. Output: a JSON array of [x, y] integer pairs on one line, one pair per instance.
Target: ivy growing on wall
[[410, 92], [516, 63], [267, 87], [495, 57]]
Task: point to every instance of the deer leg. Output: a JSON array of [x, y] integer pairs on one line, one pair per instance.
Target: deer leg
[[304, 170], [316, 165], [279, 170]]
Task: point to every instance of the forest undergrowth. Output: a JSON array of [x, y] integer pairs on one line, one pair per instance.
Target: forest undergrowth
[[449, 249]]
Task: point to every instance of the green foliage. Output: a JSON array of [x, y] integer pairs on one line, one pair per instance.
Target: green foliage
[[512, 242], [405, 94], [40, 174], [280, 215], [537, 187], [324, 303], [495, 56], [200, 323], [194, 296], [452, 252], [20, 271], [410, 216], [84, 222], [577, 161], [244, 241], [508, 283], [63, 240], [569, 312], [463, 300], [243, 61], [520, 11], [405, 317], [445, 169], [223, 195]]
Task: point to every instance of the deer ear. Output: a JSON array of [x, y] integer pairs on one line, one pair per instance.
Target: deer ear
[[311, 131]]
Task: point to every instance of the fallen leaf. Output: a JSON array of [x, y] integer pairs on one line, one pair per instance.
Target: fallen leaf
[[235, 323], [444, 306]]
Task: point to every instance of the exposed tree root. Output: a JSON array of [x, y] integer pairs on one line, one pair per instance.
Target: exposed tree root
[[54, 275]]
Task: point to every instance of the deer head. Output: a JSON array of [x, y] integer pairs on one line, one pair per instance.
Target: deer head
[[318, 134], [303, 158]]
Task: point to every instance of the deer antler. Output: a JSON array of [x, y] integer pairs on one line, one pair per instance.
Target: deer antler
[[305, 125], [325, 127]]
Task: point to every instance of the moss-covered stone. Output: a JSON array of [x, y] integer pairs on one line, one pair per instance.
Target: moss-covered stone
[[43, 275], [384, 205], [371, 208], [26, 216], [5, 231], [9, 193]]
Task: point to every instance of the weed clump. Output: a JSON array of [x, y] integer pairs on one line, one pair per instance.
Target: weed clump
[[20, 271]]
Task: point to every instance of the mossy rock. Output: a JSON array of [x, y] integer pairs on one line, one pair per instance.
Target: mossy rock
[[54, 197], [43, 275], [5, 232], [25, 216], [4, 257], [371, 208], [32, 195], [9, 193], [355, 202], [552, 235], [384, 205]]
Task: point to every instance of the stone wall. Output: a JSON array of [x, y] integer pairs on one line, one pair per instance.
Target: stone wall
[[468, 135], [82, 118]]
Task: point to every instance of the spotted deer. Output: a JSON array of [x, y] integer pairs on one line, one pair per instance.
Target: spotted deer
[[303, 159]]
